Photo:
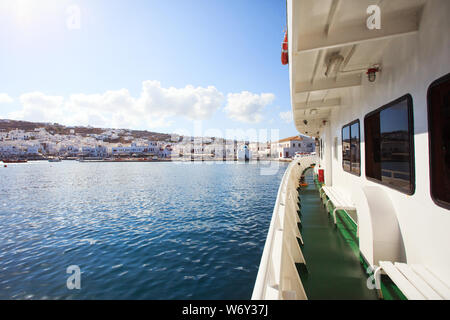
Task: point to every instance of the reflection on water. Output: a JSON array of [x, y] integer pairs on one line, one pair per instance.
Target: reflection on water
[[136, 230]]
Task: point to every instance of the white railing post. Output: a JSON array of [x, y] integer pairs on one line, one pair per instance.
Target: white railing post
[[277, 275]]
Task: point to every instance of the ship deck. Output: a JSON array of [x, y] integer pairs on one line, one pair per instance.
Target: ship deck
[[334, 269]]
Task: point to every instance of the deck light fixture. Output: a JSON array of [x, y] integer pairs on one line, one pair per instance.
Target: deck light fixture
[[372, 73]]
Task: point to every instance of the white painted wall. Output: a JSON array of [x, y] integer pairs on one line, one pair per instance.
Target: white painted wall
[[410, 64]]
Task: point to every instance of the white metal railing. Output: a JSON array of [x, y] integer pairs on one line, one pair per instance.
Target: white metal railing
[[277, 277]]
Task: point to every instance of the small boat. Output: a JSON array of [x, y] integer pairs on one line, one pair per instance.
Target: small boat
[[15, 161], [57, 159]]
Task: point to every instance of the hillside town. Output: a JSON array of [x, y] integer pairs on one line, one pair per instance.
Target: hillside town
[[42, 143]]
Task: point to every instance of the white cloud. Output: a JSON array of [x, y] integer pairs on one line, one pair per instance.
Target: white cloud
[[5, 98], [109, 101], [247, 106], [286, 116], [112, 108], [119, 109], [37, 106], [194, 103], [155, 107]]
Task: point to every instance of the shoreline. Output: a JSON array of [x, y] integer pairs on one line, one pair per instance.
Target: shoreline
[[155, 160]]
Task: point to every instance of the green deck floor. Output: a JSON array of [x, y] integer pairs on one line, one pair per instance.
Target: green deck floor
[[333, 267]]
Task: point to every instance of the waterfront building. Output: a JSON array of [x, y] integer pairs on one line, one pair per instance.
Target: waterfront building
[[33, 150], [259, 150], [97, 151], [165, 152], [288, 147]]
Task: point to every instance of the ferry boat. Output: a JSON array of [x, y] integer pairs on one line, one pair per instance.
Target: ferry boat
[[56, 159], [370, 81]]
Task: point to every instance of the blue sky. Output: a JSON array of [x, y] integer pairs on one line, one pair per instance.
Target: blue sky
[[157, 65]]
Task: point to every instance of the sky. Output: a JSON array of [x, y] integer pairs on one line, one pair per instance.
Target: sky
[[200, 67]]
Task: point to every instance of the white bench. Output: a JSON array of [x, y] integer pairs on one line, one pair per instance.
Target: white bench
[[416, 282], [339, 201]]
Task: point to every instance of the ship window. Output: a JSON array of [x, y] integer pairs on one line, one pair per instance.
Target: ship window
[[346, 148], [335, 151], [322, 145], [321, 148], [389, 144], [350, 148], [439, 140]]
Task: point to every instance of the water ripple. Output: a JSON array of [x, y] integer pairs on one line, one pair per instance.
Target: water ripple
[[136, 230]]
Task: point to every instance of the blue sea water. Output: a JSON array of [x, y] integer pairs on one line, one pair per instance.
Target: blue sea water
[[136, 230]]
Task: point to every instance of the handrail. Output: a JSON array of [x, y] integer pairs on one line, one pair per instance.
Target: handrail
[[277, 276]]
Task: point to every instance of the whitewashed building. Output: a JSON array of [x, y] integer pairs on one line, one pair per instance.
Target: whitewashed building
[[33, 150], [97, 151], [287, 148], [259, 150]]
